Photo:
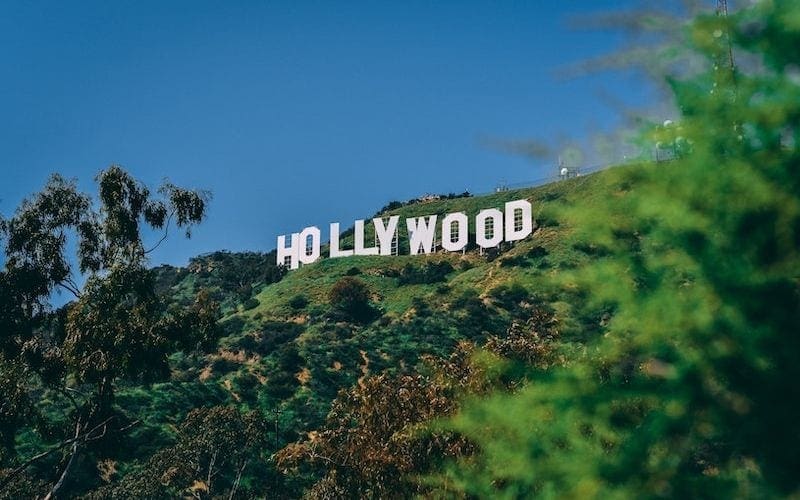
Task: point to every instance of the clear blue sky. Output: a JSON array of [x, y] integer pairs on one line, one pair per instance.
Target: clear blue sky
[[293, 113]]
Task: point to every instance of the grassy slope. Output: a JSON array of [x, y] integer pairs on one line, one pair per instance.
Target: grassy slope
[[514, 265], [524, 263], [259, 366]]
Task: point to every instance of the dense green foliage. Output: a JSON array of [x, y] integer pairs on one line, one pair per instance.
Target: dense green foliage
[[690, 391], [213, 448], [229, 278], [117, 330]]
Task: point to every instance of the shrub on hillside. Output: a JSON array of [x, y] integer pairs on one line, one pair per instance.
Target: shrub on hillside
[[509, 297], [250, 303], [515, 261], [221, 365], [282, 380], [537, 251], [298, 302], [476, 318], [274, 334], [353, 271], [421, 306], [246, 386], [430, 272], [350, 296]]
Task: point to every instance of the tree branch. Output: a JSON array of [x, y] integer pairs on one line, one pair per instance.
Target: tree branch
[[76, 391], [238, 479], [65, 392], [69, 287], [72, 455], [313, 456], [166, 233], [78, 437], [211, 468]]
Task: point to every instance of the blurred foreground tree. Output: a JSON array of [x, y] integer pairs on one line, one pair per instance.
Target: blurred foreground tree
[[117, 328], [692, 390]]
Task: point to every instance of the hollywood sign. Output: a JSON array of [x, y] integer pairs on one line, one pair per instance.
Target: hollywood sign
[[492, 227]]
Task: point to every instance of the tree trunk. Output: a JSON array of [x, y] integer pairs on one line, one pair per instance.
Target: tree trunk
[[238, 480], [105, 398], [60, 483], [211, 470]]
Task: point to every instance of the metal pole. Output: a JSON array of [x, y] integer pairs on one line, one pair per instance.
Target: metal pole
[[277, 414]]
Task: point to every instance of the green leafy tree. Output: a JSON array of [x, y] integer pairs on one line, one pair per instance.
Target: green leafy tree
[[116, 329], [369, 446], [215, 449], [690, 391]]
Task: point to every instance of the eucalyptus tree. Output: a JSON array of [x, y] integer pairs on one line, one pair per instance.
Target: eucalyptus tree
[[116, 328]]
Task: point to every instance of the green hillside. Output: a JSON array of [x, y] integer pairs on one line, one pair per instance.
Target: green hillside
[[285, 346], [551, 248]]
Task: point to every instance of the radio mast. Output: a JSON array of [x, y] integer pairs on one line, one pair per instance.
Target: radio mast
[[725, 63]]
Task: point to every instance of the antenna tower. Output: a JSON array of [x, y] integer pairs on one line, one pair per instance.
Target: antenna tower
[[727, 63]]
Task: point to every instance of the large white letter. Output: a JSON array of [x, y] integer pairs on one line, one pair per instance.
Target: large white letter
[[304, 255], [496, 216], [290, 252], [524, 220], [462, 232], [386, 233], [421, 232], [359, 237], [335, 252]]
